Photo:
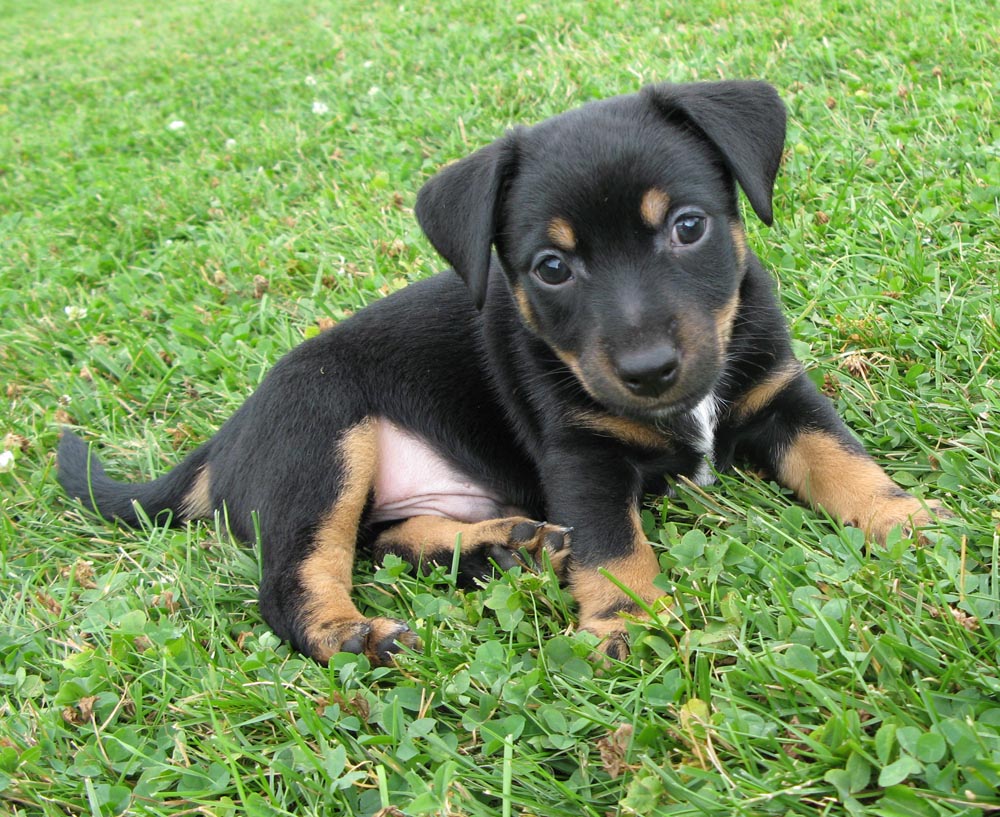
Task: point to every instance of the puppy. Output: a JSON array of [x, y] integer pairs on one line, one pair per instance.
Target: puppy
[[604, 328]]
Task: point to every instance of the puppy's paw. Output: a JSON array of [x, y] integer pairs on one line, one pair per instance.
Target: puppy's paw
[[613, 641], [517, 542], [611, 627], [379, 639], [928, 516], [609, 597], [531, 539], [907, 513]]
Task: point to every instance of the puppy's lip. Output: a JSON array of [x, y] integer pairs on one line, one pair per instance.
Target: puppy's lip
[[653, 409], [677, 407]]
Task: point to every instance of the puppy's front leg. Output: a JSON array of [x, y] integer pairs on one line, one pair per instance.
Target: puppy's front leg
[[793, 431], [597, 493]]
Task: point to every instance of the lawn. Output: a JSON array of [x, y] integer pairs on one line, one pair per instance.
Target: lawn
[[189, 189]]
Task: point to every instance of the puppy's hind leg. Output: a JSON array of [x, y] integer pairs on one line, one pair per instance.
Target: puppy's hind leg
[[306, 589]]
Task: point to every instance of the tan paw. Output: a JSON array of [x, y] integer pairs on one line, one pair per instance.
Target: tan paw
[[613, 644], [379, 639], [907, 513], [533, 539]]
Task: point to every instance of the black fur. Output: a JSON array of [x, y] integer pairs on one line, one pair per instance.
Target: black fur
[[498, 382], [82, 475]]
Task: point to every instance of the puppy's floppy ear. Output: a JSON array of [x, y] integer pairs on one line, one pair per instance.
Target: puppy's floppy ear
[[744, 119], [459, 210]]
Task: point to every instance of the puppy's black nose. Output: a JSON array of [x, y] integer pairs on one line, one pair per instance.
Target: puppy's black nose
[[650, 371]]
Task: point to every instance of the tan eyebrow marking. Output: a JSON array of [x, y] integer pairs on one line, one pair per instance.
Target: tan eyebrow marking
[[562, 234], [654, 206]]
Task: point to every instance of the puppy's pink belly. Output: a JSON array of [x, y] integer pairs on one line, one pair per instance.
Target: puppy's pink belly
[[414, 480]]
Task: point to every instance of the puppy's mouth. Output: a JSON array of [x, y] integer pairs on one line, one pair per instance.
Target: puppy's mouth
[[648, 388], [651, 409]]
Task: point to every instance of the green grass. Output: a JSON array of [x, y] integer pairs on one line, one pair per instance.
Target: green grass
[[151, 275]]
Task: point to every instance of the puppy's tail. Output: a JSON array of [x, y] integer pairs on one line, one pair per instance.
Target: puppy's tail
[[179, 495]]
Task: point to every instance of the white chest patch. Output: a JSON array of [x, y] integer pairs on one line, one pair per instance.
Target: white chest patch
[[705, 417]]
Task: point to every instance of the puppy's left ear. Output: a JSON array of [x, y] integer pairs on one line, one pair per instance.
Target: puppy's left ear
[[459, 211], [745, 120]]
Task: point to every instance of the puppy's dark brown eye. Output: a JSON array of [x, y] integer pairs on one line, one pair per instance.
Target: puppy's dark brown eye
[[688, 229], [552, 270]]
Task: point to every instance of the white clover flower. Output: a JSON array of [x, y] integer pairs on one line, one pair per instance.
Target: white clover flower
[[177, 124], [320, 108], [6, 461], [374, 90], [75, 313], [230, 144], [310, 80]]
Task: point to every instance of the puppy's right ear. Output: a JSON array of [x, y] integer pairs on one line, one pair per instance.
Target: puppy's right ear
[[459, 210]]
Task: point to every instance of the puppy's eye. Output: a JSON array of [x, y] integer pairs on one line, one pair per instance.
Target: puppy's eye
[[688, 229], [552, 270]]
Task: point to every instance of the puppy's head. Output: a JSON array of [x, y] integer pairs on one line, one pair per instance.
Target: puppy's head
[[617, 226]]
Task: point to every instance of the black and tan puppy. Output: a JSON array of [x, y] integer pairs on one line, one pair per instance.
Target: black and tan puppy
[[619, 332]]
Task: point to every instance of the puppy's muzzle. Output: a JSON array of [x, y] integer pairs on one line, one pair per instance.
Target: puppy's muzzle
[[649, 371]]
